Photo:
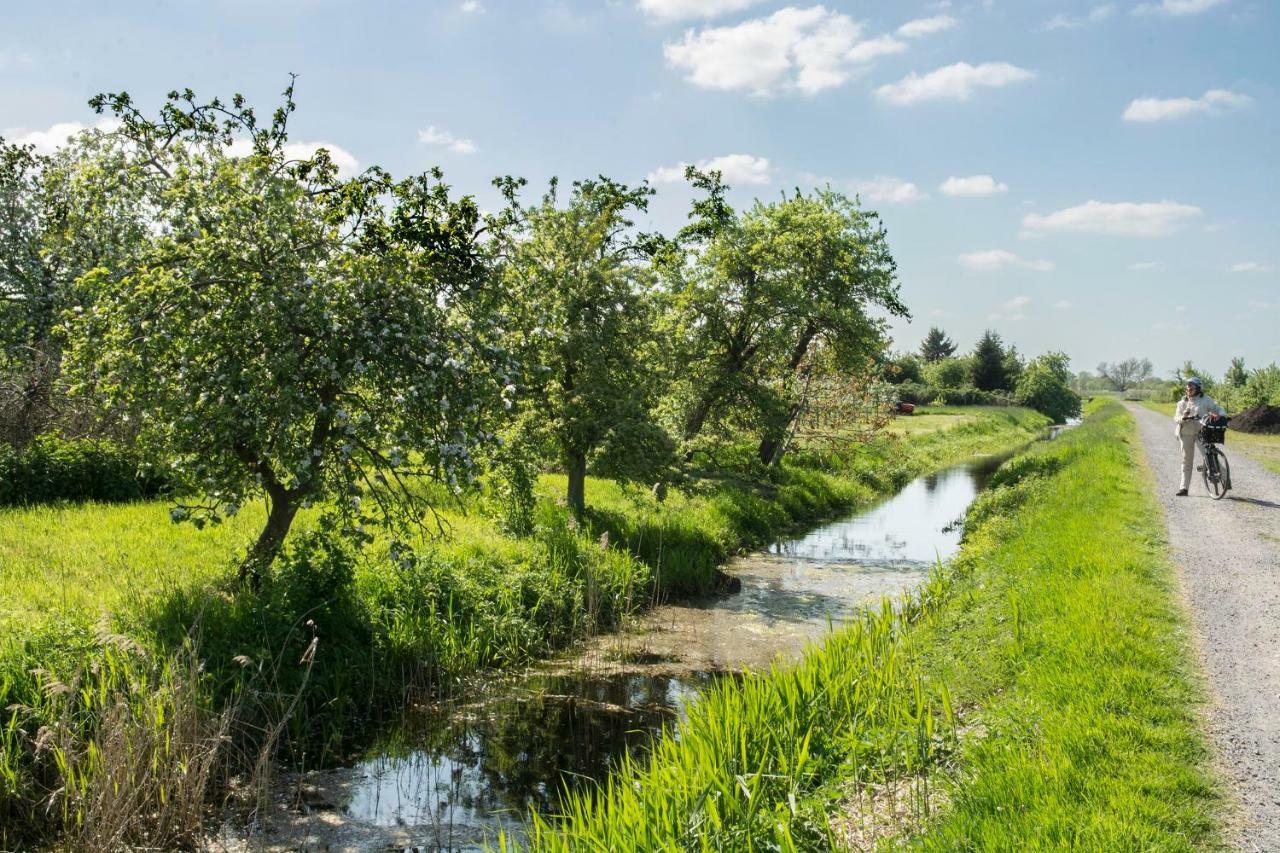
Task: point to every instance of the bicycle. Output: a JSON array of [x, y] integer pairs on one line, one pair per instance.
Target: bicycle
[[1216, 470]]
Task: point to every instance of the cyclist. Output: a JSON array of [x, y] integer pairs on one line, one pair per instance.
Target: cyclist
[[1194, 406]]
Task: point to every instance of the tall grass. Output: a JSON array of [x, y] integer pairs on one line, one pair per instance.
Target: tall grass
[[1037, 693]]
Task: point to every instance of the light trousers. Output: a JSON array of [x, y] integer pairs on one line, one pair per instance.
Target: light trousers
[[1187, 436]]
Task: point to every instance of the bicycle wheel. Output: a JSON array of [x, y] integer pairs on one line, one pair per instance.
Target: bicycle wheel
[[1214, 470]]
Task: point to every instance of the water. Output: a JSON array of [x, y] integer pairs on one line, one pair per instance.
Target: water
[[455, 774]]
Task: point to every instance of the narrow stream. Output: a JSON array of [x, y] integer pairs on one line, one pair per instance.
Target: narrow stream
[[452, 776]]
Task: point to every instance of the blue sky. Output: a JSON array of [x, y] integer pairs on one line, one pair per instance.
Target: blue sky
[[1094, 177]]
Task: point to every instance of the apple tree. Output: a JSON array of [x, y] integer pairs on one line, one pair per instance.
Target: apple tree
[[290, 334]]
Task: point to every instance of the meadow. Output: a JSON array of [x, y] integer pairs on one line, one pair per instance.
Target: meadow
[[118, 626], [1036, 693]]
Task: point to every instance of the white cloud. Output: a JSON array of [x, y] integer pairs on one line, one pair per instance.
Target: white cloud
[[1063, 304], [348, 165], [1069, 22], [1143, 266], [974, 186], [954, 82], [1147, 219], [49, 140], [443, 138], [807, 50], [996, 260], [1252, 266], [734, 168], [872, 49], [46, 141], [471, 7], [679, 10], [1012, 309], [926, 26], [1164, 109], [1177, 7], [887, 190]]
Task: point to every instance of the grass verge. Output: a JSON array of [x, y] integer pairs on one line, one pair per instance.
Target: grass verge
[[1037, 693]]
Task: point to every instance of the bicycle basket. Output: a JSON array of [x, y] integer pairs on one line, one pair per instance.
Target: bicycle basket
[[1214, 434]]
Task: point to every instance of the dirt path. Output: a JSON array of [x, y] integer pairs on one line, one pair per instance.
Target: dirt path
[[1228, 555]]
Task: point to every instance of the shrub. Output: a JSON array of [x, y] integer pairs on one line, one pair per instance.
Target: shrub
[[53, 468]]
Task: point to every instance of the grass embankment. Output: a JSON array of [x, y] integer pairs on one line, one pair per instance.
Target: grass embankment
[[1038, 693], [1264, 449], [97, 604]]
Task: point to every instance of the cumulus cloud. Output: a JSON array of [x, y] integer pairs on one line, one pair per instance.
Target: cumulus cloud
[[921, 27], [806, 50], [1164, 109], [1063, 304], [883, 189], [1252, 266], [1070, 22], [679, 10], [1130, 219], [348, 165], [471, 7], [54, 137], [1177, 7], [974, 186], [953, 82], [996, 260], [734, 168], [444, 139]]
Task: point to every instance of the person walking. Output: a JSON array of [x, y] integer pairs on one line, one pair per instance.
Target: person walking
[[1192, 408]]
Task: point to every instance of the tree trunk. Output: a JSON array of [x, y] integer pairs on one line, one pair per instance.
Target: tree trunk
[[774, 442], [698, 417], [577, 492], [279, 519]]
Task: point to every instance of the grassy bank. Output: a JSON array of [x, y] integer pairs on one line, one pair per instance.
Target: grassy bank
[[1036, 694], [114, 622]]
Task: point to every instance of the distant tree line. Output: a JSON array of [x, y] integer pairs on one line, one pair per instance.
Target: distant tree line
[[991, 373], [1238, 389]]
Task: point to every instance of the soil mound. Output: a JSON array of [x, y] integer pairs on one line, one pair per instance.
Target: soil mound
[[1260, 419]]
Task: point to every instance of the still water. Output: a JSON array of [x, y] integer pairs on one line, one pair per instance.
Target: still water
[[452, 776]]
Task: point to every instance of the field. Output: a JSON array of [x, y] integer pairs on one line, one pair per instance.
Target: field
[[114, 615], [1037, 694]]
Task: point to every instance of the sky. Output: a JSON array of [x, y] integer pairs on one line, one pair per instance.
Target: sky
[[1099, 178]]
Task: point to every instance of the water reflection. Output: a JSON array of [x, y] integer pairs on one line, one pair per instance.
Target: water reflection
[[915, 527], [449, 778]]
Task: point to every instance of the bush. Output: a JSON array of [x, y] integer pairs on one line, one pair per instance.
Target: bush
[[970, 397], [950, 373], [915, 392], [1262, 386], [1040, 390], [53, 468]]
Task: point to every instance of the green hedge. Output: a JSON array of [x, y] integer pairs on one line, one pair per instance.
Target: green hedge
[[922, 394], [53, 468]]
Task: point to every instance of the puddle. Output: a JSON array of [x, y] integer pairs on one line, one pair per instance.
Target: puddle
[[452, 776]]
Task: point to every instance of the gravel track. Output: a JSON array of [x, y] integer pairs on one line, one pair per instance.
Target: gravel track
[[1228, 557]]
